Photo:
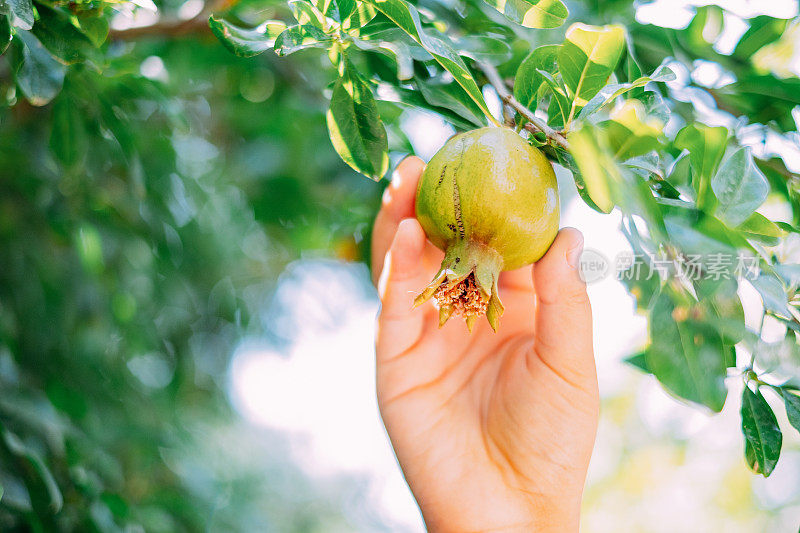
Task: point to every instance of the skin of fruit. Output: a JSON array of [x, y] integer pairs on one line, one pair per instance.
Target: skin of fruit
[[489, 186]]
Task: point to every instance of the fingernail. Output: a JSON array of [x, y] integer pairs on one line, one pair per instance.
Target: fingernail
[[574, 254]]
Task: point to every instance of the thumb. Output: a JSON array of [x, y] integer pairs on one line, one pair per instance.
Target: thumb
[[563, 312], [403, 276]]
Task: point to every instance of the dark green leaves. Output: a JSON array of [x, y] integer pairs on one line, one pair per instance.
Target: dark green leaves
[[355, 127], [532, 13], [687, 358], [62, 38], [740, 188], [246, 42], [762, 435], [529, 79], [407, 18], [68, 137]]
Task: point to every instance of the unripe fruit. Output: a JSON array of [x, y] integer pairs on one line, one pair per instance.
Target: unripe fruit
[[490, 201]]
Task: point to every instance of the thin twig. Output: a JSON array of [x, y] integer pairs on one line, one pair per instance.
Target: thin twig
[[505, 95]]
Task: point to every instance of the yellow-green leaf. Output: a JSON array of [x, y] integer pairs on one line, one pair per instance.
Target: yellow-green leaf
[[587, 58], [532, 13]]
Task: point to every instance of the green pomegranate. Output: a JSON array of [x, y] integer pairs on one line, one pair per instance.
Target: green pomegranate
[[489, 200]]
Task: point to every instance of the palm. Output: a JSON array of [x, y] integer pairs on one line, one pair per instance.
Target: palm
[[483, 424]]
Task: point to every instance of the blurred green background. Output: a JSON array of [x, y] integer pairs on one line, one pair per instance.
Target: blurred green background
[[185, 324]]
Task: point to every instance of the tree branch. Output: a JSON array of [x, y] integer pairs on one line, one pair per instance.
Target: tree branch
[[534, 124], [173, 27]]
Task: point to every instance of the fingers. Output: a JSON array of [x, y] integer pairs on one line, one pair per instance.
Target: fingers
[[404, 276], [519, 279], [398, 203], [563, 315]]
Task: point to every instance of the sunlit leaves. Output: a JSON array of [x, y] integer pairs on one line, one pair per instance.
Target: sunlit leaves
[[587, 58], [532, 13], [338, 10], [762, 435], [772, 293], [355, 127], [40, 77], [529, 80], [763, 30], [740, 187], [298, 37], [483, 49], [706, 146], [760, 228], [246, 42], [792, 402], [687, 358], [613, 91], [598, 171], [20, 13], [407, 18]]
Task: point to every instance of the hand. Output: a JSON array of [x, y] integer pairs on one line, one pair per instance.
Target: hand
[[493, 431]]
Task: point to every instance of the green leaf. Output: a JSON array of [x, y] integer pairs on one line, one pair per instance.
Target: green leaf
[[307, 14], [5, 34], [355, 127], [740, 188], [338, 10], [246, 42], [407, 18], [566, 160], [772, 293], [95, 28], [298, 37], [792, 402], [559, 104], [638, 360], [532, 13], [706, 146], [760, 228], [612, 91], [630, 132], [414, 99], [363, 14], [598, 170], [687, 359], [20, 13], [451, 97], [483, 49], [763, 31], [64, 40], [68, 136], [528, 80], [587, 58], [40, 77], [761, 432]]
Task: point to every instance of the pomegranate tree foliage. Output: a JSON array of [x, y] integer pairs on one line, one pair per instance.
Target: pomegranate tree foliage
[[689, 191], [150, 181]]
